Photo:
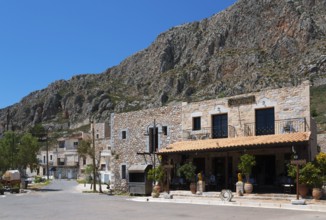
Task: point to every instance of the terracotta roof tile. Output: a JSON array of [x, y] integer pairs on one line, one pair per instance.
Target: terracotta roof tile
[[224, 143]]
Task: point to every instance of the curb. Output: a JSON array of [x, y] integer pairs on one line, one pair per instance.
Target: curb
[[201, 201]]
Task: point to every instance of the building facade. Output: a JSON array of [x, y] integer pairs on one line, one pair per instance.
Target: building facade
[[64, 161], [132, 138], [272, 125]]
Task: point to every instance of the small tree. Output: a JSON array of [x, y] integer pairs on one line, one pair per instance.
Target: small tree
[[85, 149], [88, 171], [309, 174], [18, 151], [188, 171], [156, 174], [321, 164], [247, 161]]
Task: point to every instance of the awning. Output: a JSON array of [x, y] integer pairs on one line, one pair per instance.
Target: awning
[[238, 142], [139, 168]]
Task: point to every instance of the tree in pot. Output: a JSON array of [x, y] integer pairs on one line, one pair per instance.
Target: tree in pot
[[157, 175], [188, 171], [321, 163], [309, 176], [247, 161]]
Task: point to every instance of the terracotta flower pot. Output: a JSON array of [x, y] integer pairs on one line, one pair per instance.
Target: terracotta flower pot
[[303, 190], [156, 191], [317, 193], [193, 188], [248, 188]]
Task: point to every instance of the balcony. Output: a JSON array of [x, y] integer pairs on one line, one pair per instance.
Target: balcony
[[292, 125], [209, 133]]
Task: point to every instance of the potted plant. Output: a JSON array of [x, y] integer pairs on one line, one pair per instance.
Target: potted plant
[[309, 176], [247, 161], [321, 163], [314, 179], [188, 171], [303, 187], [157, 175]]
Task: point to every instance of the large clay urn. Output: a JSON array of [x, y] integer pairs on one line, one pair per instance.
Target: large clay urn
[[317, 193], [193, 188], [248, 188], [156, 191], [303, 190]]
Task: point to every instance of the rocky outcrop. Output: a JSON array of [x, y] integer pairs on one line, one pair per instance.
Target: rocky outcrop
[[252, 45]]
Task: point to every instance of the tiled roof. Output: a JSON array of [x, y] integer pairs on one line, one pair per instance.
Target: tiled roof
[[225, 143]]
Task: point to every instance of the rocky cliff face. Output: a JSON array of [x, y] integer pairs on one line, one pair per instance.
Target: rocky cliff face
[[252, 45]]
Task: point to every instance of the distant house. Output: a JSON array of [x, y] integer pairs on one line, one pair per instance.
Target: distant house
[[102, 135], [63, 158]]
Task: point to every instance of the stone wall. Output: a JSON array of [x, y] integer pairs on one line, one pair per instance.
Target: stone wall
[[322, 142], [135, 125], [102, 130], [289, 102]]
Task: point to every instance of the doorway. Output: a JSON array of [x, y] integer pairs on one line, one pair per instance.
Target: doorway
[[220, 126], [264, 172], [200, 164]]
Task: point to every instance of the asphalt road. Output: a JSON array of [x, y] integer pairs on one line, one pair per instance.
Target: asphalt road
[[60, 200]]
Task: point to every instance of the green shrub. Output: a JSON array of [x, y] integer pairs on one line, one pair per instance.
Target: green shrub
[[247, 161], [188, 171], [156, 174], [309, 174]]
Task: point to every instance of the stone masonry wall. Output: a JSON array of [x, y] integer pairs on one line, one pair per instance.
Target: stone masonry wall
[[322, 142], [136, 124], [289, 102], [102, 130]]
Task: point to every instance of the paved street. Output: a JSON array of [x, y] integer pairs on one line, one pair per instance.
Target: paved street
[[61, 200]]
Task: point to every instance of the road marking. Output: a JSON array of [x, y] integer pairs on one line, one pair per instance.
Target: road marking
[[3, 196]]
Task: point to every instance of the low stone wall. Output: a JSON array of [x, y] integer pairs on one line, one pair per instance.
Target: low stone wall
[[321, 141]]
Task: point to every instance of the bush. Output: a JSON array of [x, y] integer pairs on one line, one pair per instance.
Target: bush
[[309, 174], [156, 174], [38, 179], [247, 161], [188, 171]]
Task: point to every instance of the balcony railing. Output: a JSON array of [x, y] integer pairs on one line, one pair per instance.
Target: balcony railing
[[209, 133], [292, 125]]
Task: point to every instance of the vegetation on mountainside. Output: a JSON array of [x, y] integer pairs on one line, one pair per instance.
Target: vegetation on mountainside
[[318, 107]]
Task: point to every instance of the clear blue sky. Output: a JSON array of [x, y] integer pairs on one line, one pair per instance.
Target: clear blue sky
[[46, 40]]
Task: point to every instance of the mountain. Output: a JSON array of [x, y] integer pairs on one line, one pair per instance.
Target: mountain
[[252, 45]]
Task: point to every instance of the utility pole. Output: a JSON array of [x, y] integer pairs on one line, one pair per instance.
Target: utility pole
[[94, 164], [154, 147], [47, 154]]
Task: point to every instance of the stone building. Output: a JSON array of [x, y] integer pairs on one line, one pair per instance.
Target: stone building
[[102, 138], [131, 138], [64, 161], [272, 125]]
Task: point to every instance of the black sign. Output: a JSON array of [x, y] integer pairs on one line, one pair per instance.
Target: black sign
[[242, 101]]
